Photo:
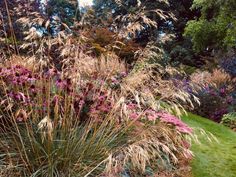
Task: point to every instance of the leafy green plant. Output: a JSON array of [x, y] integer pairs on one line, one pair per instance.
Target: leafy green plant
[[215, 29], [229, 120]]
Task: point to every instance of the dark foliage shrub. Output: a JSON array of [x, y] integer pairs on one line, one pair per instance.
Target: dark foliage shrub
[[229, 65], [188, 69], [180, 54], [103, 40], [216, 94], [212, 106]]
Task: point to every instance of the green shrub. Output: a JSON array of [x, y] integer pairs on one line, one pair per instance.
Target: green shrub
[[215, 29], [229, 120]]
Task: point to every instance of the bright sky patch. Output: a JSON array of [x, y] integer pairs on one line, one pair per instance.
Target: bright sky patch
[[85, 2]]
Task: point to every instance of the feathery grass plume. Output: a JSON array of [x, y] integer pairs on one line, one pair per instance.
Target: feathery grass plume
[[158, 82], [148, 151], [76, 126], [217, 78], [140, 17]]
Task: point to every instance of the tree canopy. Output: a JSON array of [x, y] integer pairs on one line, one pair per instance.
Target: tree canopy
[[216, 27]]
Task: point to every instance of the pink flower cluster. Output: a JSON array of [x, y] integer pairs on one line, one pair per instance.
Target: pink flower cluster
[[19, 97], [89, 101], [100, 106], [116, 80], [170, 119], [64, 84], [18, 75], [153, 115], [18, 80]]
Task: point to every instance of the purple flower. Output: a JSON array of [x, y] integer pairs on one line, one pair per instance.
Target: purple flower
[[11, 95], [52, 72], [222, 91], [229, 100], [102, 98], [104, 108], [81, 103], [61, 84]]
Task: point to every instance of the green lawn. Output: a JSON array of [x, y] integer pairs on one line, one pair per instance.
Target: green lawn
[[213, 159]]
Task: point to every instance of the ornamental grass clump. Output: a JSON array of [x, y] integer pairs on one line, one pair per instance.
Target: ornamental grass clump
[[59, 124]]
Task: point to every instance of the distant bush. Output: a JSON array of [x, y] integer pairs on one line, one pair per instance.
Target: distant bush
[[102, 40], [182, 55], [212, 106], [229, 65], [216, 93], [229, 120]]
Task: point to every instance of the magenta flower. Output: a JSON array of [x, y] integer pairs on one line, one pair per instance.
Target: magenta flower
[[229, 99], [131, 106], [114, 80], [104, 108], [102, 98], [51, 72], [62, 84], [222, 91]]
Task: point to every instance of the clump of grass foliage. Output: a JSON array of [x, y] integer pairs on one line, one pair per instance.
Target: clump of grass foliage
[[64, 112], [82, 121]]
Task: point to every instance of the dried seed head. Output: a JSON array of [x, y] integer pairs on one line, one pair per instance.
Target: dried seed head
[[21, 115]]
